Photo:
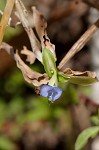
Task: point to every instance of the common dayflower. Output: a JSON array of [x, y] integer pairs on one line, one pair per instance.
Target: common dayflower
[[51, 92]]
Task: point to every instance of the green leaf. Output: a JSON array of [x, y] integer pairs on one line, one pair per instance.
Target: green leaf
[[12, 32], [6, 143], [84, 136], [2, 111], [71, 94], [15, 107], [95, 120], [48, 61], [40, 111], [2, 4], [62, 77], [82, 80]]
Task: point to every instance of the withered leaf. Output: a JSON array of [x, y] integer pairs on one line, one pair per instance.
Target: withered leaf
[[40, 25], [78, 73], [30, 55], [29, 75]]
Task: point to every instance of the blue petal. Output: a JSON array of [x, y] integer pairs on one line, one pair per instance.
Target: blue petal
[[58, 91], [44, 90], [52, 92]]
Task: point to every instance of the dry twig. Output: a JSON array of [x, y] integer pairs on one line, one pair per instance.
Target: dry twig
[[79, 44], [5, 18]]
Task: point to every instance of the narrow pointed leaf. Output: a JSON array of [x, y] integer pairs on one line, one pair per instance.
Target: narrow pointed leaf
[[82, 80], [84, 137]]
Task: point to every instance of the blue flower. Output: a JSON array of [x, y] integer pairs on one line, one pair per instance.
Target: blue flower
[[52, 92]]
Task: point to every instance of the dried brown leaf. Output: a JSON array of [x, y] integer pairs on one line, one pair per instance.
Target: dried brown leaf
[[29, 75], [30, 55], [23, 15], [40, 25], [9, 49], [68, 71]]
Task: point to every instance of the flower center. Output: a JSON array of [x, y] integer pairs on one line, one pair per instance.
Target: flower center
[[51, 95]]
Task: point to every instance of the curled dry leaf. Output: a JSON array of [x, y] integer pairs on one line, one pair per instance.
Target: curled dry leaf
[[30, 55], [40, 25], [29, 75], [9, 49], [79, 73], [23, 16]]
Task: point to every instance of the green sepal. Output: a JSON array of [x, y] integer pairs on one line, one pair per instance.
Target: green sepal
[[48, 61]]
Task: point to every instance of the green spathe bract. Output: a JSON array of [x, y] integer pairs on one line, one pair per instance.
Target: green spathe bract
[[48, 61]]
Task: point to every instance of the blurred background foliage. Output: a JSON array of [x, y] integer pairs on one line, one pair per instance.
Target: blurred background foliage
[[27, 121]]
